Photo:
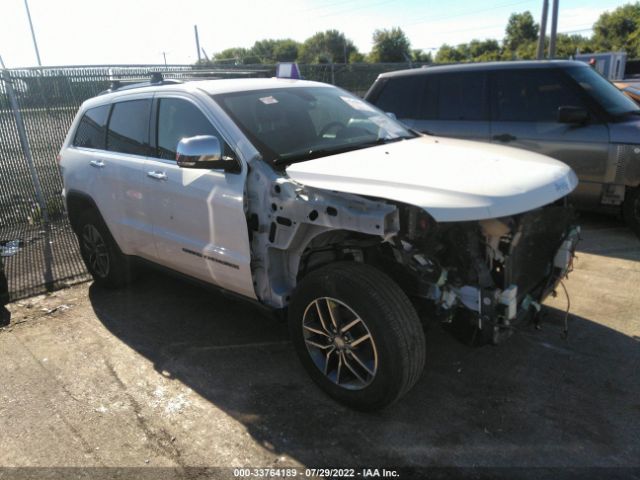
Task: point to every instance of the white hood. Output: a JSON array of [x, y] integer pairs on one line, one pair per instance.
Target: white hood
[[453, 180]]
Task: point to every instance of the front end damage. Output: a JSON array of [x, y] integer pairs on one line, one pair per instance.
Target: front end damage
[[491, 272]]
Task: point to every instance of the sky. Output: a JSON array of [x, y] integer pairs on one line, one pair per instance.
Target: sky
[[98, 32]]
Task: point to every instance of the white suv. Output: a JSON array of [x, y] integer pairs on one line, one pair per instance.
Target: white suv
[[306, 199]]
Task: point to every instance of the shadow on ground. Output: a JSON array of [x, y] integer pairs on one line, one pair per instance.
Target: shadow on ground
[[537, 400], [607, 235]]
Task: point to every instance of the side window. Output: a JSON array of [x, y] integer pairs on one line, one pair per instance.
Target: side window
[[461, 96], [129, 127], [178, 119], [430, 98], [531, 95], [91, 132], [401, 96]]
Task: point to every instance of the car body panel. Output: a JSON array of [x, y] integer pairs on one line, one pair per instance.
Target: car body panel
[[453, 180], [584, 148], [198, 216]]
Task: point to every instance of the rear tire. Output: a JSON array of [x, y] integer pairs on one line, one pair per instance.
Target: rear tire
[[631, 209], [108, 266], [357, 335]]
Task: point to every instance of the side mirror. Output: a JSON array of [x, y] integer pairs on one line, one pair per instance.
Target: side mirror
[[204, 151], [573, 115]]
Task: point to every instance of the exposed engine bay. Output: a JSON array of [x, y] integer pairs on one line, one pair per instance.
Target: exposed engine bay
[[496, 270], [500, 269]]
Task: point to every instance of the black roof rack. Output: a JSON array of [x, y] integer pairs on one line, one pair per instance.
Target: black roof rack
[[126, 84], [157, 78]]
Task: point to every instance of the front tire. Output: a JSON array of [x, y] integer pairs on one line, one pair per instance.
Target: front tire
[[108, 266], [631, 209], [357, 335]]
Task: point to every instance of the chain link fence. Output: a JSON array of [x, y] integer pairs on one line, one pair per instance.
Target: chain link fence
[[37, 106]]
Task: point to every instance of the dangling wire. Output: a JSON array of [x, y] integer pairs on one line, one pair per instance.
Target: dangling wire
[[565, 333]]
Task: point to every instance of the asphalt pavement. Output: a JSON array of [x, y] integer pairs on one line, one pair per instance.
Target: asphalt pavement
[[167, 375]]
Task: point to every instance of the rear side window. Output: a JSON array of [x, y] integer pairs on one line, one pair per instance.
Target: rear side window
[[178, 119], [430, 98], [447, 96], [129, 127], [401, 96], [461, 96], [531, 95], [91, 132]]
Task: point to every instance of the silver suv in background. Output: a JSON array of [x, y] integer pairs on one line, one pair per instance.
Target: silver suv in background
[[563, 109]]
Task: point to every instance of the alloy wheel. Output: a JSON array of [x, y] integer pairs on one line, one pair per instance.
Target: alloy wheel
[[340, 343], [95, 249]]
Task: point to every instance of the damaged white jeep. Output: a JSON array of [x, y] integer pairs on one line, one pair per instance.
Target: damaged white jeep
[[300, 196]]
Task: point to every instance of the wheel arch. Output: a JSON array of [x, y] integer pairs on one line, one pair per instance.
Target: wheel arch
[[78, 202]]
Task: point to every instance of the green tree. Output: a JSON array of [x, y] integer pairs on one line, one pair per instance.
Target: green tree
[[521, 30], [420, 56], [326, 47], [236, 56], [390, 46], [272, 51], [484, 50], [286, 50], [450, 54], [569, 45], [619, 30], [263, 49], [356, 57]]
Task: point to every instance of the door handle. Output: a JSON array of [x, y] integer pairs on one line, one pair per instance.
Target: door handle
[[505, 137], [157, 175], [97, 163]]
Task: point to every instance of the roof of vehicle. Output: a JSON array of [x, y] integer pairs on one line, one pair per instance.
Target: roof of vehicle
[[484, 66], [214, 87], [211, 87]]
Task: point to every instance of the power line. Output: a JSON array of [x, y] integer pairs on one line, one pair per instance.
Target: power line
[[496, 25], [323, 6], [564, 32], [577, 31], [446, 17], [368, 7]]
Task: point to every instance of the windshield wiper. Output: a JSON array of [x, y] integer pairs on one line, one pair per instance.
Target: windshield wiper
[[422, 132], [311, 154]]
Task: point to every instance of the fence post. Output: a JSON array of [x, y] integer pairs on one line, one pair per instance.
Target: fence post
[[24, 143]]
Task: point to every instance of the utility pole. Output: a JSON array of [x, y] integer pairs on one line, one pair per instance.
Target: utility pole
[[164, 54], [195, 29], [554, 29], [543, 30], [33, 34]]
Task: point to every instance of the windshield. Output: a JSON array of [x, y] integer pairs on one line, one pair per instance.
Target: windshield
[[294, 124], [603, 92]]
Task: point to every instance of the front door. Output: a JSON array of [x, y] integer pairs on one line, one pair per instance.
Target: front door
[[198, 218], [525, 115]]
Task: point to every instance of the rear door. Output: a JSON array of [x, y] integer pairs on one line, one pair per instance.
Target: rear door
[[525, 115], [199, 223], [121, 166], [87, 153]]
